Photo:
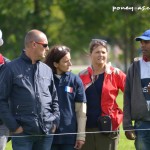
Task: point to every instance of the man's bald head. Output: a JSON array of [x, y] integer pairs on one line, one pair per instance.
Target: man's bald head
[[33, 35], [36, 45]]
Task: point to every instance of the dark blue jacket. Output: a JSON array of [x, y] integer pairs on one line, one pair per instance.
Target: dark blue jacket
[[32, 95], [5, 60], [70, 90]]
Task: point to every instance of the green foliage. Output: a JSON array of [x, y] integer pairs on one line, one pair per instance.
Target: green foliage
[[73, 23]]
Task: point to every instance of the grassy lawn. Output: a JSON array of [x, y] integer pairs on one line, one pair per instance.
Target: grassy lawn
[[124, 144], [8, 147]]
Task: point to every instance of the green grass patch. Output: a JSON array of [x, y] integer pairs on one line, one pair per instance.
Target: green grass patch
[[8, 146], [124, 143]]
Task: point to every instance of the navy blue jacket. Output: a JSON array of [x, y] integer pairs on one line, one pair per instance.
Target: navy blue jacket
[[1, 66], [70, 90], [32, 95]]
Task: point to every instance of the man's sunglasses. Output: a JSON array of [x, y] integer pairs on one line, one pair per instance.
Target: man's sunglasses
[[44, 45]]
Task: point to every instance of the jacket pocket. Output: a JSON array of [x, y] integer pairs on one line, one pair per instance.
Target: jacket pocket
[[26, 117], [29, 124], [48, 126], [44, 84], [21, 80], [24, 109]]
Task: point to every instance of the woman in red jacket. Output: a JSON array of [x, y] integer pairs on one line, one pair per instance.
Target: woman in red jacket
[[102, 83]]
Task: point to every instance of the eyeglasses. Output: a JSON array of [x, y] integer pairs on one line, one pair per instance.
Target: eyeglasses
[[44, 45], [99, 41]]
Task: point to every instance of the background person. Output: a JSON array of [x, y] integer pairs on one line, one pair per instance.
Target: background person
[[72, 101], [137, 99], [102, 83], [29, 86], [4, 132]]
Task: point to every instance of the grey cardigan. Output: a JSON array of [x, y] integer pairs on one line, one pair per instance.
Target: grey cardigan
[[135, 107]]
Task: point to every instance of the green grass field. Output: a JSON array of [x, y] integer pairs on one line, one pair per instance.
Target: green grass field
[[124, 144]]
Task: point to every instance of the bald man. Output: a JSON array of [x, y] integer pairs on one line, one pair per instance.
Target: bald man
[[29, 86]]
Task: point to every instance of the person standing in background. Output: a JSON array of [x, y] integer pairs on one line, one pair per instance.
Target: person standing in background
[[136, 121], [71, 98], [4, 132], [27, 85], [102, 83]]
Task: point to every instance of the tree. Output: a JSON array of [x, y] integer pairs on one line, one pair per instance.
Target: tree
[[21, 17], [74, 23]]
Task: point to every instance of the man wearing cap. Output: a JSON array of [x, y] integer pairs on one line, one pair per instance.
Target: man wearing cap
[[137, 98], [4, 132]]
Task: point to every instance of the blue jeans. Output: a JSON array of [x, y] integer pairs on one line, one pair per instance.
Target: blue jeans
[[63, 147], [24, 142], [142, 141]]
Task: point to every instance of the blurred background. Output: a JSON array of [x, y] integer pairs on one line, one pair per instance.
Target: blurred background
[[74, 23]]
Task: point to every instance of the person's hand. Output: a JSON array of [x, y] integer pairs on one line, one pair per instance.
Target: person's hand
[[148, 88], [79, 144], [130, 135], [18, 130], [53, 128]]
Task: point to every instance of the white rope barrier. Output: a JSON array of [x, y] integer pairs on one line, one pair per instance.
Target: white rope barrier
[[95, 132]]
